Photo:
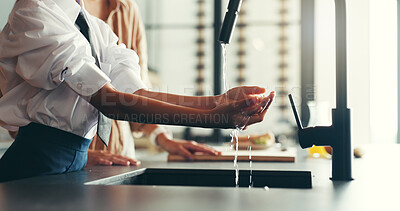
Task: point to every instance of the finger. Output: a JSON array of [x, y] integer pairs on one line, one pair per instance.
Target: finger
[[260, 116], [196, 147], [120, 161], [266, 102], [250, 111], [244, 103], [185, 153], [253, 90], [132, 161], [271, 99], [269, 104], [123, 159], [243, 92], [136, 163], [104, 162], [215, 152], [271, 95]]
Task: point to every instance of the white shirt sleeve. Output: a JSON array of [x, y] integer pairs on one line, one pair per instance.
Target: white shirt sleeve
[[51, 50], [119, 63]]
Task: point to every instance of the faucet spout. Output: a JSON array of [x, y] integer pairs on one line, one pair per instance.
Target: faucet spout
[[228, 26], [318, 136]]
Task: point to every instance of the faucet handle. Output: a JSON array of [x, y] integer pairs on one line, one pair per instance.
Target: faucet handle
[[296, 115]]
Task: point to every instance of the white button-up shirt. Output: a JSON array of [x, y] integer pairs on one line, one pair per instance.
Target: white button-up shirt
[[48, 73]]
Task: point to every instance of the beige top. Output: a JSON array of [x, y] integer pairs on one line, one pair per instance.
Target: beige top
[[125, 20], [127, 24]]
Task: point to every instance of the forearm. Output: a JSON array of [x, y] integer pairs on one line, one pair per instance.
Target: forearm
[[136, 108], [150, 111], [199, 102]]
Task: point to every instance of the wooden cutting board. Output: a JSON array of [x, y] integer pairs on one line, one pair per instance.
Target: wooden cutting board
[[268, 155]]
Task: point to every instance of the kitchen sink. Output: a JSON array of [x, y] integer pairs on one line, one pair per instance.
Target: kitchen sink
[[211, 178]]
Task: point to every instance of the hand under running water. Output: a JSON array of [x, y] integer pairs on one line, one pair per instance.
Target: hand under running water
[[244, 105], [240, 93], [263, 103]]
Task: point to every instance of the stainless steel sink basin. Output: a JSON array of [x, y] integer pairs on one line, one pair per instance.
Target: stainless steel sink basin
[[211, 178]]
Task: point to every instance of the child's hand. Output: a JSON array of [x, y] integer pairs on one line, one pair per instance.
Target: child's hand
[[183, 147], [103, 158]]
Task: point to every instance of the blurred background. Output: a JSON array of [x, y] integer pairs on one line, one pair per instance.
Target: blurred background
[[282, 45]]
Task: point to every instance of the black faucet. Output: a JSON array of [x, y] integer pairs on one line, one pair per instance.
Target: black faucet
[[338, 134], [228, 26]]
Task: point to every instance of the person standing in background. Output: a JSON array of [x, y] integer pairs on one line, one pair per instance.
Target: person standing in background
[[123, 16]]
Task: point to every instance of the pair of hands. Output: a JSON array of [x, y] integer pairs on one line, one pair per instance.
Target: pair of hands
[[178, 147], [244, 105]]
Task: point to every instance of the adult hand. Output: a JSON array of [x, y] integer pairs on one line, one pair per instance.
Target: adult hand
[[239, 93], [103, 158], [259, 116], [241, 113], [183, 147]]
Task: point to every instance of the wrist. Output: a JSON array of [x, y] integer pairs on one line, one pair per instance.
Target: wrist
[[217, 99], [162, 138], [215, 119], [159, 133]]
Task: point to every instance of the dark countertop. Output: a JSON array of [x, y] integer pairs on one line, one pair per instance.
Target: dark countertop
[[376, 187]]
